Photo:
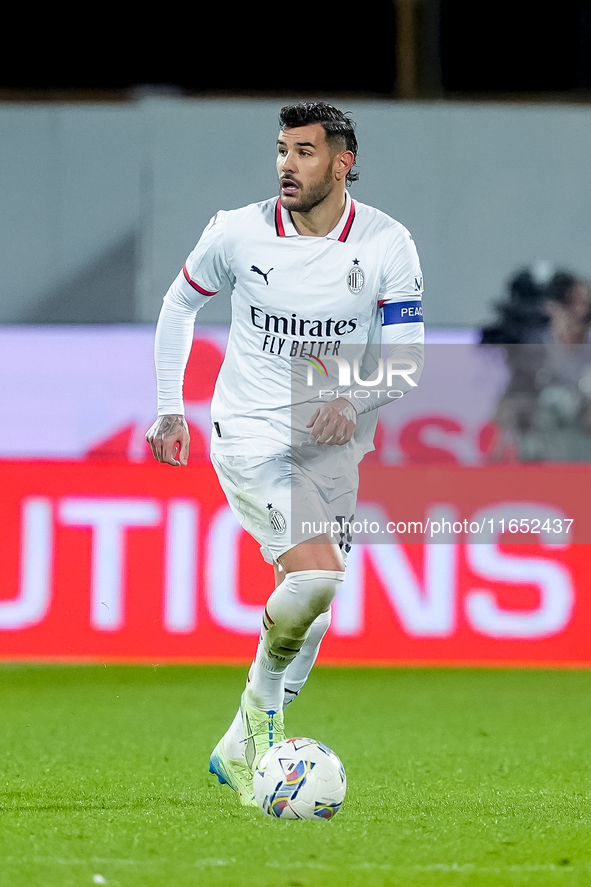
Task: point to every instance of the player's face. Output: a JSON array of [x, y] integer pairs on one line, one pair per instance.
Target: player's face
[[305, 166]]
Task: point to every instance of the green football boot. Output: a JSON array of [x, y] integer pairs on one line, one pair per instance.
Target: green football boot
[[262, 729], [236, 774]]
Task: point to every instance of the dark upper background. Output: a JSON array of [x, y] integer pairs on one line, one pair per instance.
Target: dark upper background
[[460, 47]]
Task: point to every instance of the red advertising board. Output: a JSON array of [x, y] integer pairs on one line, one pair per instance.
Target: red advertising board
[[147, 563]]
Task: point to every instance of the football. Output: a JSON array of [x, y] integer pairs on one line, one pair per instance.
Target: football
[[300, 779]]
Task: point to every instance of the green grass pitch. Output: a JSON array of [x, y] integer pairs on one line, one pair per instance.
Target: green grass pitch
[[456, 777]]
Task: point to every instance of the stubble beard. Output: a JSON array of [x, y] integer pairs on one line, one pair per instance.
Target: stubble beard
[[314, 196]]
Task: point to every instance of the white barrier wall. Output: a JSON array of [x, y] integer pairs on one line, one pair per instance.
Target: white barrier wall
[[102, 203]]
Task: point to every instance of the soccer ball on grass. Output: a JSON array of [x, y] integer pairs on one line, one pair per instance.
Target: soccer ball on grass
[[300, 779]]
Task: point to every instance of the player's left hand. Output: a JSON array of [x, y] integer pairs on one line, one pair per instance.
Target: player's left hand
[[333, 423]]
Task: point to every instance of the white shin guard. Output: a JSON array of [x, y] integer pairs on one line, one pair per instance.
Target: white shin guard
[[293, 607], [290, 612]]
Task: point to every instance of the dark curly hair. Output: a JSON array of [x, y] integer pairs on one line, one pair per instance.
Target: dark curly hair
[[339, 129]]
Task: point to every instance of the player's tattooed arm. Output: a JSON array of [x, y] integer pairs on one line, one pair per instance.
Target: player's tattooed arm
[[169, 439], [333, 423]]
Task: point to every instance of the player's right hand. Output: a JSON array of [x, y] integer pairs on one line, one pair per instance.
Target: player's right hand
[[169, 439]]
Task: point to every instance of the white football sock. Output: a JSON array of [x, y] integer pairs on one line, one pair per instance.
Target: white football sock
[[291, 609], [234, 739], [299, 670]]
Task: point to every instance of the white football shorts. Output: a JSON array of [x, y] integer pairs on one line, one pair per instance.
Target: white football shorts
[[281, 504]]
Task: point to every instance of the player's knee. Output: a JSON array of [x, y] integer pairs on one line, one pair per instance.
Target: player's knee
[[303, 596], [316, 589], [298, 607]]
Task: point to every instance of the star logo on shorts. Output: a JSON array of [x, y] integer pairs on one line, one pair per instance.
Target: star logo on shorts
[[270, 506]]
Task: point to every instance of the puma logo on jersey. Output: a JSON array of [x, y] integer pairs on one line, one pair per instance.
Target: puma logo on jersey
[[262, 273]]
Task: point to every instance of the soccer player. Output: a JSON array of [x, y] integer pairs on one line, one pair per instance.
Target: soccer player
[[310, 271]]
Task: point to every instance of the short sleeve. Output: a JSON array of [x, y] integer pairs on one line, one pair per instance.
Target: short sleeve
[[207, 268]]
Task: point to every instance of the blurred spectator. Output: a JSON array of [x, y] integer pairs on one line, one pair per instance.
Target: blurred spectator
[[568, 305], [520, 316], [545, 411]]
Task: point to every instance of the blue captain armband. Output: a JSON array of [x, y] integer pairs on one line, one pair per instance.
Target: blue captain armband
[[402, 312]]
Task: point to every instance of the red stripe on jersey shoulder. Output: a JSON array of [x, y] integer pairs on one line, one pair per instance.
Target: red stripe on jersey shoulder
[[348, 223], [196, 285], [279, 227]]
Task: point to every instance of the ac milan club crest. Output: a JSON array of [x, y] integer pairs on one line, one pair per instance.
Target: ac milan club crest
[[356, 278], [277, 521]]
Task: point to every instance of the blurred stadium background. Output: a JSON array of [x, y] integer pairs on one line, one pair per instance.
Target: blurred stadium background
[[108, 176], [121, 133]]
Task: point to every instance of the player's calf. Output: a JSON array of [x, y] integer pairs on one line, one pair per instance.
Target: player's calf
[[299, 670], [290, 612], [293, 607]]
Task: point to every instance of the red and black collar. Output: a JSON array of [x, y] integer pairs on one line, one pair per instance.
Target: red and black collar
[[285, 228]]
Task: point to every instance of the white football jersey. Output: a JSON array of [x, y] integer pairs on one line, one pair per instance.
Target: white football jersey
[[292, 296]]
